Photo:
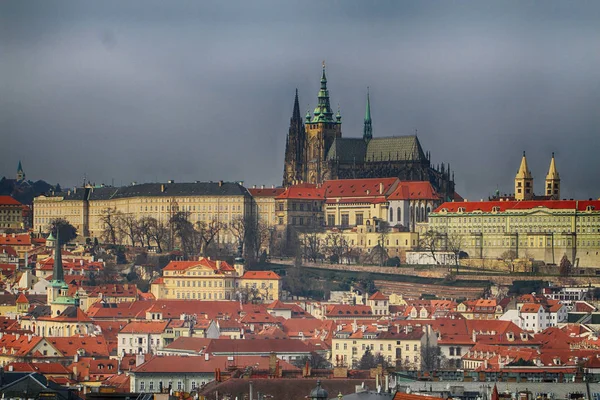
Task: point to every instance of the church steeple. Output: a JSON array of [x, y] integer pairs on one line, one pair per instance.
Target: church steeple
[[524, 181], [323, 111], [58, 273], [294, 147], [20, 173], [553, 181], [368, 129]]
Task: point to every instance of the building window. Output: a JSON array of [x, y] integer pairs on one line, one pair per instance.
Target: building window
[[345, 220], [359, 219], [142, 386], [151, 386]]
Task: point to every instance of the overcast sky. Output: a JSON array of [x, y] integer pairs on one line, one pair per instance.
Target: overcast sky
[[203, 90]]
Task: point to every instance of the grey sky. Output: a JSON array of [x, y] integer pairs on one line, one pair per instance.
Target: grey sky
[[198, 90]]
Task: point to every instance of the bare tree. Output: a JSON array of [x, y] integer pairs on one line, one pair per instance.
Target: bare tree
[[455, 244], [129, 227], [336, 245], [431, 242], [145, 227], [159, 233], [183, 229], [509, 257], [311, 245], [383, 230], [208, 232], [109, 220]]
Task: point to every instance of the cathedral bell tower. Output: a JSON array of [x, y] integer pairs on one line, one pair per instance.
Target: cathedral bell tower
[[294, 148], [321, 130], [553, 181], [524, 181]]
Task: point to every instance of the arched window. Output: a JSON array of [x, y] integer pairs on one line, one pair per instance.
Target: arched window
[[422, 213], [398, 214], [391, 214], [418, 214]]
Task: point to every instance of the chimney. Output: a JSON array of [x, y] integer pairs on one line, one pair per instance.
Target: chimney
[[170, 181], [10, 368], [206, 356], [474, 336], [220, 183], [162, 187], [218, 264], [139, 359], [380, 187], [76, 359], [250, 390]]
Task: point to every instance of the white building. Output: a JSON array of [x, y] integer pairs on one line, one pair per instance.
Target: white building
[[141, 337], [535, 317]]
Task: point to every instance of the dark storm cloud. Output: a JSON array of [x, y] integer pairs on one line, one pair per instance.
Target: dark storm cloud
[[188, 90]]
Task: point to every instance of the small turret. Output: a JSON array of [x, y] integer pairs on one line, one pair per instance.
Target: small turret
[[524, 181], [553, 181]]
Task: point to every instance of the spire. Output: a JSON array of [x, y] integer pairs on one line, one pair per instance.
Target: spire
[[552, 172], [524, 172], [57, 272], [296, 112], [19, 168], [322, 112], [368, 128]]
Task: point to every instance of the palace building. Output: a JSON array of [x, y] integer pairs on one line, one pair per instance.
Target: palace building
[[525, 225], [316, 151]]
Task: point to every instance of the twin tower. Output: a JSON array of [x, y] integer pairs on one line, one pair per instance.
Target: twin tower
[[524, 182]]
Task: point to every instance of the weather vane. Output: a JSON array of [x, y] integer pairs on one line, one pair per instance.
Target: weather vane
[[323, 63]]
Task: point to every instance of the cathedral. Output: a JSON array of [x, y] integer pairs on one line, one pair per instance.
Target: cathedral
[[316, 151]]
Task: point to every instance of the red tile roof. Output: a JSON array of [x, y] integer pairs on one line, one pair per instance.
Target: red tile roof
[[487, 206], [303, 191], [369, 187], [8, 250], [15, 240], [266, 192], [261, 275], [215, 265], [414, 190], [378, 296], [22, 299], [9, 201], [52, 368], [149, 327], [93, 346]]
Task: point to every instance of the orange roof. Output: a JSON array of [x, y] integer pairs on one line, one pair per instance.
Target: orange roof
[[487, 206], [406, 396], [9, 201], [8, 250], [530, 308], [215, 265], [15, 240], [378, 296], [417, 190], [266, 192], [151, 327], [22, 299], [260, 275], [93, 346], [304, 191], [369, 187], [42, 368]]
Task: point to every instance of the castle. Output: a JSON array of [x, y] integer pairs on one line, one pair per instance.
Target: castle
[[315, 151]]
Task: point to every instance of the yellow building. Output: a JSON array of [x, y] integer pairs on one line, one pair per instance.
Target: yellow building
[[541, 230], [11, 213], [300, 206], [84, 208], [398, 345], [207, 279], [264, 204], [524, 227]]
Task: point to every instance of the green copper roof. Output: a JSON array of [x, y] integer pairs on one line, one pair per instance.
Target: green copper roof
[[368, 128], [322, 112], [65, 300]]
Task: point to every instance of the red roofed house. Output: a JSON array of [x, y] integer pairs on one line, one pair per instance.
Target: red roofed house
[[11, 213], [209, 280], [21, 243], [379, 303], [141, 337]]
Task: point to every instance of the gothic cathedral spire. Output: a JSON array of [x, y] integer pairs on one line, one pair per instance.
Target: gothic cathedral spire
[[294, 147], [368, 129], [20, 173], [553, 181]]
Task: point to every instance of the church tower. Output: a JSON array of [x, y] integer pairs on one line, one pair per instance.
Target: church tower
[[367, 128], [294, 148], [321, 130], [553, 181], [523, 182], [58, 291], [20, 173]]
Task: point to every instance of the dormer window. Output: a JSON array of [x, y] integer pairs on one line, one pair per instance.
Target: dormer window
[[461, 209], [589, 208], [496, 209]]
